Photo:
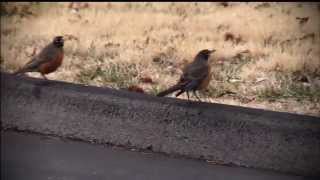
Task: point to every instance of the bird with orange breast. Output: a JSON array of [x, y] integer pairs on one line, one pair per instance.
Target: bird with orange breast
[[47, 61], [196, 76]]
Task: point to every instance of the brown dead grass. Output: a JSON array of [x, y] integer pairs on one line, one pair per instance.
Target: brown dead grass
[[261, 47]]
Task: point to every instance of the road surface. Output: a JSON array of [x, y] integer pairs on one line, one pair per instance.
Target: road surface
[[36, 157]]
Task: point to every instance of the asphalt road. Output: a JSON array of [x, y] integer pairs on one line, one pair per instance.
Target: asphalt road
[[35, 157]]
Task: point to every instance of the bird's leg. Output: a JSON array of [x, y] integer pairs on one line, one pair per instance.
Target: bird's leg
[[195, 94], [44, 77], [188, 95], [178, 93]]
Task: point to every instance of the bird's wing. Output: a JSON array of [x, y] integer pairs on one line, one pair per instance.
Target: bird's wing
[[193, 75], [46, 55], [197, 71], [49, 53]]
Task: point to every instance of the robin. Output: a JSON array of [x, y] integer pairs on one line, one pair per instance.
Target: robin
[[47, 61], [196, 76]]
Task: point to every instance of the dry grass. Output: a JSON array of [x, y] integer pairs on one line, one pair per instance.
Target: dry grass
[[267, 53]]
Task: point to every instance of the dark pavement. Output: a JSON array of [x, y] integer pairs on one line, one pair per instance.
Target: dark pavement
[[36, 157]]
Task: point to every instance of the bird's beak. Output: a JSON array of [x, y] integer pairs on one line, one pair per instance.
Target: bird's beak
[[212, 51]]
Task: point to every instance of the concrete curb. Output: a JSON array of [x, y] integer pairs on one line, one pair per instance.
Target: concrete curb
[[226, 134]]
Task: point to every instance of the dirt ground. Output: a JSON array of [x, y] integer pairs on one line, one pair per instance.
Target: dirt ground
[[268, 54]]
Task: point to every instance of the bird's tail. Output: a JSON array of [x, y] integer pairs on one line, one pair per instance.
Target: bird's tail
[[170, 90]]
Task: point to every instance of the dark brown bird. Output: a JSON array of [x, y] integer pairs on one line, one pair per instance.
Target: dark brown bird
[[47, 61], [196, 76]]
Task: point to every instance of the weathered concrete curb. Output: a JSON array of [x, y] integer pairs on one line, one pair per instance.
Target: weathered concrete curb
[[226, 134]]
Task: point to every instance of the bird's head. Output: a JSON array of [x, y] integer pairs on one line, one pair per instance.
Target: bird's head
[[58, 41], [205, 54]]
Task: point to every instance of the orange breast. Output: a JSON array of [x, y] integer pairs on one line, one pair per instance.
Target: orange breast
[[52, 65]]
